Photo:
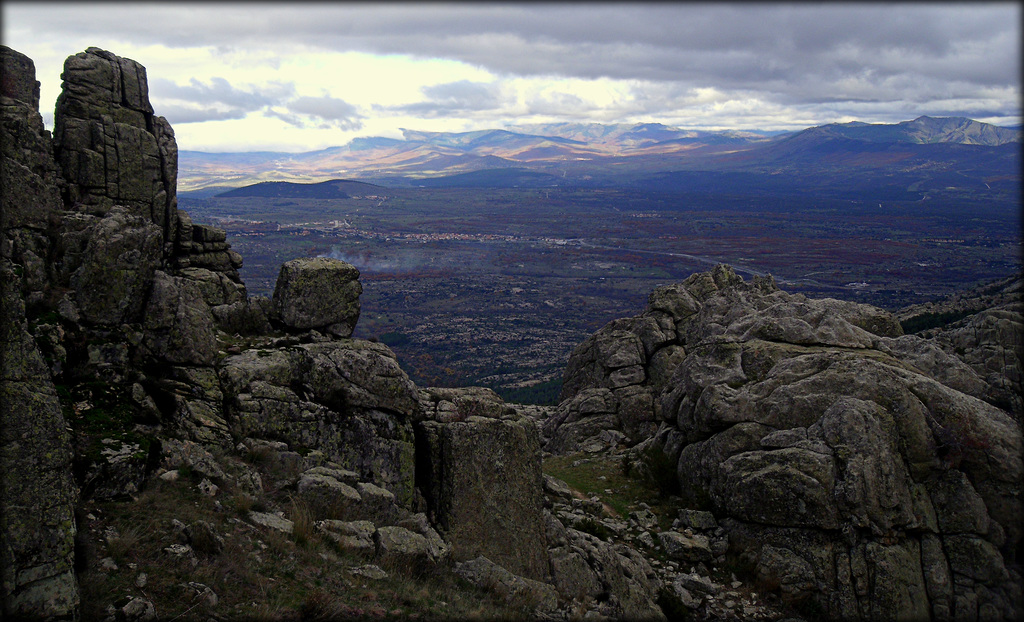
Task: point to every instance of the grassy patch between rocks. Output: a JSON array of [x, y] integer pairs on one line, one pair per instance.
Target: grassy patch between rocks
[[602, 476]]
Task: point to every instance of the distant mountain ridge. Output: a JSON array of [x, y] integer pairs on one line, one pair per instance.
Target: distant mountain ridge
[[331, 189], [583, 153], [926, 130]]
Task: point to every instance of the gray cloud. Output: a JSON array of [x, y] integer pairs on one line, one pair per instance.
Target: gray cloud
[[918, 56], [634, 40], [453, 98], [219, 100], [178, 114], [335, 112], [218, 91], [465, 95], [216, 101], [287, 117], [561, 104]]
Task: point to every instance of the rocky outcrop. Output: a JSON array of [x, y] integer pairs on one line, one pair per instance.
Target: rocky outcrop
[[203, 246], [179, 326], [110, 146], [31, 182], [318, 293], [92, 250], [348, 399], [117, 267], [614, 378], [982, 328], [444, 404], [845, 461], [481, 476], [119, 165]]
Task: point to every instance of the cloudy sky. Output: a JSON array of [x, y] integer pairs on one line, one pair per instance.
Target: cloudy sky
[[295, 77]]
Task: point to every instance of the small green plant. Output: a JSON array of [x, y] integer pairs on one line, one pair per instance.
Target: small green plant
[[187, 473], [594, 528]]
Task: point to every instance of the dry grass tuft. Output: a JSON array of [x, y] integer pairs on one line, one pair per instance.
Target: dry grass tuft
[[119, 547], [242, 502], [205, 540], [320, 606], [303, 527]]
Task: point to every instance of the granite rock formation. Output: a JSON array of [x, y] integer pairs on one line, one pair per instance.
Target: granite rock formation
[[110, 146], [853, 467], [38, 497], [348, 398], [983, 328], [132, 352], [482, 477]]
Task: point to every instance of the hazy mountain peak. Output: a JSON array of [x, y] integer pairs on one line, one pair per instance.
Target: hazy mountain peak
[[959, 130]]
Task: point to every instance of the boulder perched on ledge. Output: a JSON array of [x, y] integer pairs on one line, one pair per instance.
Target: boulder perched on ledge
[[318, 293]]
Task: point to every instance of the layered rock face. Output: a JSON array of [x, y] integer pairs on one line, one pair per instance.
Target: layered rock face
[[482, 477], [37, 491], [852, 466], [110, 146]]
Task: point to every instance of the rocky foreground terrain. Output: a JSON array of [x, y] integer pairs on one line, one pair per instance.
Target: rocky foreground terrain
[[173, 448]]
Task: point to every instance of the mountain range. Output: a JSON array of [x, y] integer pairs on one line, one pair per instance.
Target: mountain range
[[935, 149]]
